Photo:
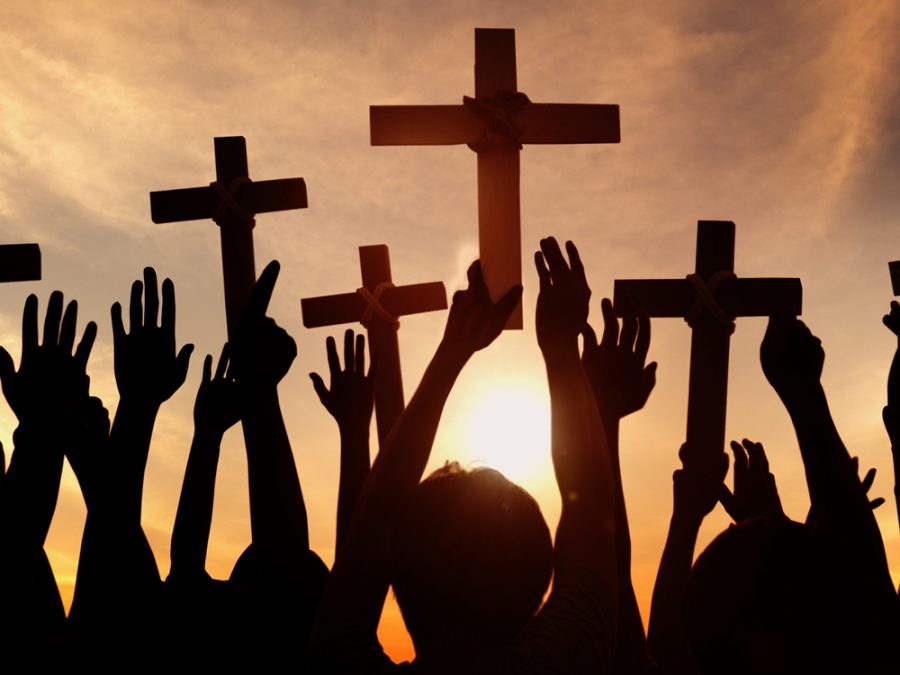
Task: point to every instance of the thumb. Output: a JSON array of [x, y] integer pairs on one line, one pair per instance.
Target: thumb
[[7, 367], [319, 386], [183, 360], [726, 499]]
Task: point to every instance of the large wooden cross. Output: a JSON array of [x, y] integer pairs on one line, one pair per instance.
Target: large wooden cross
[[496, 123], [20, 262], [710, 299], [377, 308], [233, 201]]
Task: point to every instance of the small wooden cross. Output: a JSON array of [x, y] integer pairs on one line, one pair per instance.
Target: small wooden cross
[[20, 262], [232, 201], [495, 124], [381, 325], [710, 299]]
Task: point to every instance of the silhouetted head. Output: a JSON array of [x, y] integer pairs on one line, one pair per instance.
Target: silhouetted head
[[763, 598], [471, 559]]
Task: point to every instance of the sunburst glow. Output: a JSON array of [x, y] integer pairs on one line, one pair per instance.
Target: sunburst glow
[[509, 430]]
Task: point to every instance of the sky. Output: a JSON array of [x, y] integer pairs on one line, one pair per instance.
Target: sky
[[783, 117]]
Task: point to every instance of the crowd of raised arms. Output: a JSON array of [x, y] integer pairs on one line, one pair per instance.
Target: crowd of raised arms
[[467, 553]]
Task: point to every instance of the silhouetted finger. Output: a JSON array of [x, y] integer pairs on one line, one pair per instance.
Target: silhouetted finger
[[610, 324], [629, 329], [319, 386], [167, 323], [642, 345], [118, 327], [222, 365], [740, 458], [554, 256], [868, 479], [29, 328], [67, 328], [135, 308], [650, 377], [51, 320], [360, 365], [542, 271], [151, 297], [182, 362], [505, 305], [334, 364], [348, 349], [757, 454], [589, 337], [7, 367], [83, 350], [207, 369], [726, 499], [262, 291], [875, 503], [574, 258]]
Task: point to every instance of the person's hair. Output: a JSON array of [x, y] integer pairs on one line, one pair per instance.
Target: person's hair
[[471, 557], [759, 600]]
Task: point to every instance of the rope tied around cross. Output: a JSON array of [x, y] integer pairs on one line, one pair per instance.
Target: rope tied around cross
[[706, 300], [228, 205], [500, 111], [374, 308]]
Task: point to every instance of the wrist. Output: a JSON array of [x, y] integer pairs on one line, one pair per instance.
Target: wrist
[[452, 355], [685, 522]]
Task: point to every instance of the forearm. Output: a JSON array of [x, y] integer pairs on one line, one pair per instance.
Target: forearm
[[190, 535], [401, 462], [32, 483], [277, 511], [129, 444], [583, 469], [666, 639], [354, 471]]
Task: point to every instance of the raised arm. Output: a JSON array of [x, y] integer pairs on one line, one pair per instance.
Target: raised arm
[[621, 381], [262, 354], [350, 401], [351, 607], [44, 394], [216, 410], [695, 490], [117, 588]]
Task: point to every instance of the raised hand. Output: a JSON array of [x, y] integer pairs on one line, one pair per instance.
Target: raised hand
[[350, 399], [616, 365], [867, 482], [262, 351], [791, 356], [474, 321], [44, 393], [87, 451], [147, 367], [562, 306], [696, 487], [216, 408], [755, 494], [50, 375]]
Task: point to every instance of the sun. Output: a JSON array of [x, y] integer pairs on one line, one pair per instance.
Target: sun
[[509, 430]]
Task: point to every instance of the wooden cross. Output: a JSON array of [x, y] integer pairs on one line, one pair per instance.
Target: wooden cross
[[381, 325], [495, 124], [232, 201], [712, 322], [20, 262]]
